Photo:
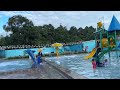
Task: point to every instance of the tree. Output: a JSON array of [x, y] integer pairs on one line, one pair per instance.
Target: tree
[[48, 33], [73, 34], [24, 32], [21, 29], [17, 23], [61, 34]]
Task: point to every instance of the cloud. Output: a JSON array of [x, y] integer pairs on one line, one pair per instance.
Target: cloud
[[66, 18], [4, 33]]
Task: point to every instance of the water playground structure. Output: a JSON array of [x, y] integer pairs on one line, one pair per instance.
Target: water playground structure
[[56, 46], [105, 40], [31, 54]]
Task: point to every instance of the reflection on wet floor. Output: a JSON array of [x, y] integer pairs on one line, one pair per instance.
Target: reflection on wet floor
[[84, 67]]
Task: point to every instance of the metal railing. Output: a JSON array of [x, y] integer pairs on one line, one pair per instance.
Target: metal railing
[[33, 46]]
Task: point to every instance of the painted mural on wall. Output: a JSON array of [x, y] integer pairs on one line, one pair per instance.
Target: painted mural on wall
[[89, 45]]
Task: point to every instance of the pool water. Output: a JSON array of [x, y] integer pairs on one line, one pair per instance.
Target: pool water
[[14, 65], [83, 67]]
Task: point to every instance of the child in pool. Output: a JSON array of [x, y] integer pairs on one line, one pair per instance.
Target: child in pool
[[94, 65], [106, 62]]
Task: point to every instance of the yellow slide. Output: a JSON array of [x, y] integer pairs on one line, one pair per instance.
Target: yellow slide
[[91, 54]]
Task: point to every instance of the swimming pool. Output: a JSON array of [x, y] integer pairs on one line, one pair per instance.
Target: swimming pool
[[14, 65], [84, 67]]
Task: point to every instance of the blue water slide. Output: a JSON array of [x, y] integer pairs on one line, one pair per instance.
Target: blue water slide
[[31, 54]]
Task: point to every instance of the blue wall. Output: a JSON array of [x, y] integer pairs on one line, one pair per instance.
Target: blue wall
[[74, 48], [90, 44], [2, 53], [48, 50], [17, 52]]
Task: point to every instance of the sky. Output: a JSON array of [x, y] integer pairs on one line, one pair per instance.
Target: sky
[[65, 18]]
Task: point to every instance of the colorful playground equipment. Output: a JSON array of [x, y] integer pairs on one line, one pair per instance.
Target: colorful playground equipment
[[57, 45], [35, 60], [31, 54], [106, 40]]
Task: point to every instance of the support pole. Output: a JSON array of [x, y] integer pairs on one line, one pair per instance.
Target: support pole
[[108, 45], [116, 45], [100, 39], [57, 51]]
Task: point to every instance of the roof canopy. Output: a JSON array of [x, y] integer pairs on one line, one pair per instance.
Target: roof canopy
[[114, 25]]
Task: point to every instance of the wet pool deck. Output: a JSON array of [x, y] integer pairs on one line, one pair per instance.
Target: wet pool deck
[[43, 72], [70, 74], [48, 70]]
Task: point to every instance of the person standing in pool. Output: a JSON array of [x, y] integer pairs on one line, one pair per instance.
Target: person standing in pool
[[39, 58], [94, 65]]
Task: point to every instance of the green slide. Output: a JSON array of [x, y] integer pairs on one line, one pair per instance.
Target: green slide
[[104, 52]]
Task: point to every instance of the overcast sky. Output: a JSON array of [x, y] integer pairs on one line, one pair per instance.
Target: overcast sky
[[66, 18]]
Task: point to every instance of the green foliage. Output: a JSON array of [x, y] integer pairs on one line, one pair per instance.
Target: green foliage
[[25, 33], [21, 28]]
